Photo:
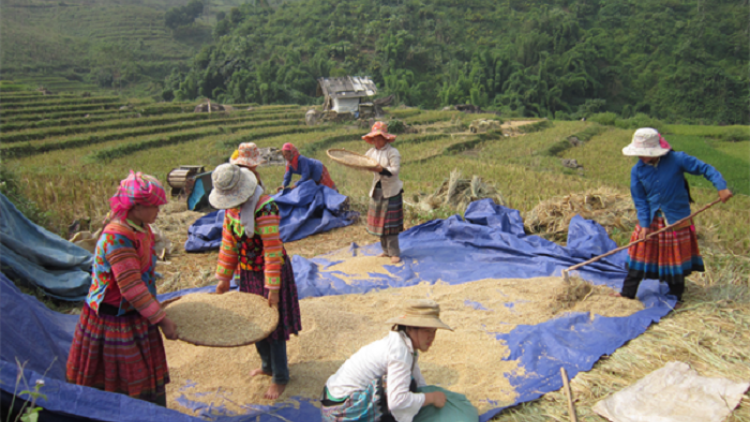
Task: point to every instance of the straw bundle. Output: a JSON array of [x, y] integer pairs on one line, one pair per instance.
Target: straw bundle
[[351, 159], [227, 320], [456, 193], [606, 206]]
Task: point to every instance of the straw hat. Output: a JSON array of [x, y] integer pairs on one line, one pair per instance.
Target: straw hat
[[247, 155], [645, 144], [421, 313], [232, 186], [379, 128]]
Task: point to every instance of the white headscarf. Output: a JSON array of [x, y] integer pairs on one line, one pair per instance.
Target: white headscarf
[[247, 212]]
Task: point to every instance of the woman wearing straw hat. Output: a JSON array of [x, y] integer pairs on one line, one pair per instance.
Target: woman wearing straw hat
[[385, 217], [378, 383], [307, 168], [248, 155], [116, 345], [252, 247], [660, 194]]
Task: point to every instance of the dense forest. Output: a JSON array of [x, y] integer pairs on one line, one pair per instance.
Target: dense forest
[[676, 60]]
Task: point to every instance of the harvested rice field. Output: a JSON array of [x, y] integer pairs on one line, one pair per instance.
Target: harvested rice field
[[468, 360]]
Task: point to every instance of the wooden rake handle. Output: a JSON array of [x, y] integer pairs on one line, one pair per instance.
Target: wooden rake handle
[[613, 251]]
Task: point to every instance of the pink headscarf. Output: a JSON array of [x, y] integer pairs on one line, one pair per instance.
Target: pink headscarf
[[136, 189], [663, 143], [295, 155]]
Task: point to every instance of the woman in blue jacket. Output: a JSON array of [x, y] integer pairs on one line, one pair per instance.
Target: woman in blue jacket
[[661, 197], [307, 168]]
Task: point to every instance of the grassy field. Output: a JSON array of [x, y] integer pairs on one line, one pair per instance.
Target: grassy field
[[73, 179]]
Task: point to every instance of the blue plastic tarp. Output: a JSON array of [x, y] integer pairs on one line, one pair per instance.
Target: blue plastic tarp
[[306, 210], [489, 244], [36, 257]]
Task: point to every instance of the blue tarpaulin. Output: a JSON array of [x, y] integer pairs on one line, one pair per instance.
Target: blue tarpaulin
[[306, 210], [35, 257], [490, 243]]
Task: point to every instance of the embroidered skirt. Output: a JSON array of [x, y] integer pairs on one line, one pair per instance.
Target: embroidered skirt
[[290, 321], [325, 179], [364, 405], [670, 256], [122, 354], [385, 217]]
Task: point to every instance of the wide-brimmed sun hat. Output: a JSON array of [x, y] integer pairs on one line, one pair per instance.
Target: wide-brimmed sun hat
[[379, 128], [646, 143], [248, 154], [421, 313], [232, 186]]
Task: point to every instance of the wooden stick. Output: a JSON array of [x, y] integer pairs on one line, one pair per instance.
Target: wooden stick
[[571, 409], [613, 251]]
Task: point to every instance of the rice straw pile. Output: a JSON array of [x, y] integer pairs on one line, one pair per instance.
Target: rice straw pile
[[606, 206], [455, 193], [223, 320], [469, 360]]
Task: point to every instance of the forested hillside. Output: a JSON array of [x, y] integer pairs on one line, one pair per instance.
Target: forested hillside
[[677, 60]]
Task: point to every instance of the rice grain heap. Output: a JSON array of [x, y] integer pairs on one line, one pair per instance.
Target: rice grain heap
[[469, 361], [228, 320]]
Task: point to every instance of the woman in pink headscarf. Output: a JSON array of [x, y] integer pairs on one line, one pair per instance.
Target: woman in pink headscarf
[[307, 168], [117, 346]]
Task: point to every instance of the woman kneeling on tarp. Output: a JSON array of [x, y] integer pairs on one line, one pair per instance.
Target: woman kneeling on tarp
[[380, 381], [116, 345], [307, 168]]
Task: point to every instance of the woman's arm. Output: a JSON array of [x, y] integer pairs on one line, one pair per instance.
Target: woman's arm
[[228, 256], [696, 167], [267, 223], [638, 193], [287, 176]]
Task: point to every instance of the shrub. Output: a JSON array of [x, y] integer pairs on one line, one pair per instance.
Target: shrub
[[638, 121], [607, 119]]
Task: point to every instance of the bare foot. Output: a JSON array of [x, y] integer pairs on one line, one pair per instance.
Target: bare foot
[[274, 391], [615, 294], [383, 255], [395, 260], [259, 371], [677, 306]]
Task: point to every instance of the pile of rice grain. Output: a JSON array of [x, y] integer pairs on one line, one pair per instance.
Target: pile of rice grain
[[468, 360], [223, 320]]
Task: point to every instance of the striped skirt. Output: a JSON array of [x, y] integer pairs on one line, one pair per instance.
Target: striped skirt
[[325, 179], [290, 321], [670, 256], [385, 217], [122, 354]]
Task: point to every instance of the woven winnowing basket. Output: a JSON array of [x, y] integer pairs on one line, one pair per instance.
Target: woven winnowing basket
[[352, 159], [231, 319]]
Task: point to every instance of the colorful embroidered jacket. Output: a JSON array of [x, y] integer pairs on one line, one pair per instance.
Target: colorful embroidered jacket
[[260, 251], [123, 274]]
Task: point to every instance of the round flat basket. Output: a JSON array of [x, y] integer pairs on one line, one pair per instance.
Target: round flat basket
[[352, 159], [231, 319]]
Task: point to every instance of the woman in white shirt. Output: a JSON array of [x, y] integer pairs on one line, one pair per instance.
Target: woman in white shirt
[[385, 218], [378, 383]]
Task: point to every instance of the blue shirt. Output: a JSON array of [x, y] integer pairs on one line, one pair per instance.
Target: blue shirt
[[307, 168], [662, 187]]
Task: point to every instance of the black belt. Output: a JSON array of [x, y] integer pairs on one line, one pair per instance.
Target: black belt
[[107, 309]]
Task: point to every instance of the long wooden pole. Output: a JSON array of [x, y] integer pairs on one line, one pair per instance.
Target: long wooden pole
[[613, 251], [566, 386]]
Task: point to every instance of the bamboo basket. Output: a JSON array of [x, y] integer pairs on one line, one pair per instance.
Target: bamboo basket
[[352, 159]]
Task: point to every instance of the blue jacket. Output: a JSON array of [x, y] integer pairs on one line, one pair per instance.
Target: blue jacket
[[307, 168], [663, 186]]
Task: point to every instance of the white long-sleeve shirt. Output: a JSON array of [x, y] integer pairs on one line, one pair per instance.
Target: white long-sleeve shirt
[[392, 355], [390, 159]]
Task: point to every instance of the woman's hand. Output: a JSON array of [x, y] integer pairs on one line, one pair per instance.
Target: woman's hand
[[725, 194], [273, 297], [279, 189], [169, 328], [643, 232], [435, 398], [222, 287], [378, 169]]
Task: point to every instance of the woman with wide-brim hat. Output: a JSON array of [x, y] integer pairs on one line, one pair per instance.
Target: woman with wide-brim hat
[[661, 196], [248, 155], [385, 217], [307, 168], [380, 381], [251, 247], [116, 345]]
